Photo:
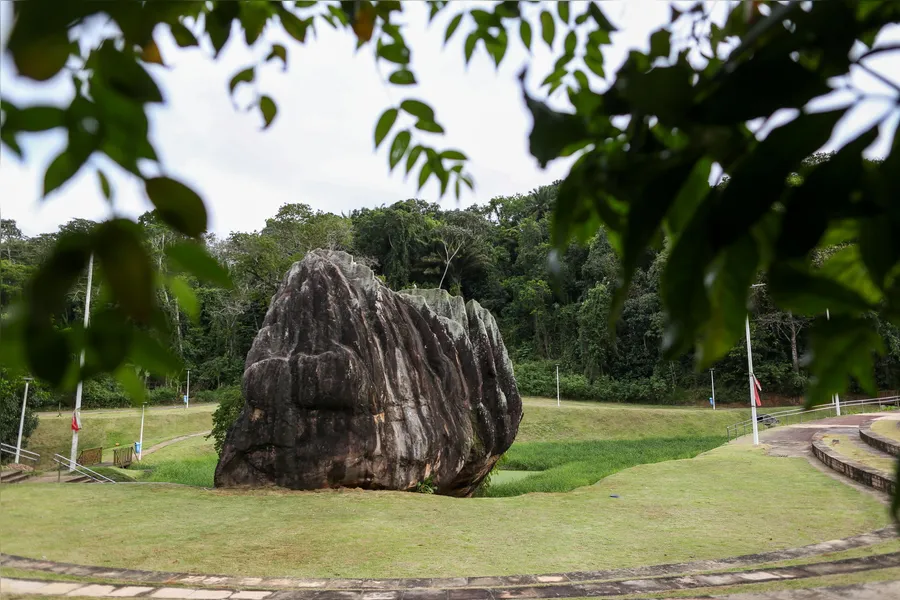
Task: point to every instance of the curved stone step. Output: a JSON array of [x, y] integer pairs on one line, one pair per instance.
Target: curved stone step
[[876, 440], [855, 470]]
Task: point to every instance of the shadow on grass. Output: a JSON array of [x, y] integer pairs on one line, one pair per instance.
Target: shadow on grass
[[565, 466]]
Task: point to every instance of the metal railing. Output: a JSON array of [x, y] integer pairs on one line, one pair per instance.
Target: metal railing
[[64, 462], [23, 453], [799, 414]]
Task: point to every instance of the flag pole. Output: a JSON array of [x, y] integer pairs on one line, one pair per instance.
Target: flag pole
[[752, 384], [76, 417]]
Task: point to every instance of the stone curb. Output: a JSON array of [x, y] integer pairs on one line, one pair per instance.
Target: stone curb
[[277, 583], [878, 441], [856, 471], [565, 590]]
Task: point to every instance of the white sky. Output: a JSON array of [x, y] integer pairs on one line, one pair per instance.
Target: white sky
[[319, 150]]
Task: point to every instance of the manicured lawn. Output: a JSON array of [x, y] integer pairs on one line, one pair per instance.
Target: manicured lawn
[[888, 427], [665, 512], [106, 428], [565, 466], [575, 420]]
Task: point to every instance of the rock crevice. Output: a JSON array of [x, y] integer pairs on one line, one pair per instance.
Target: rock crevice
[[350, 384]]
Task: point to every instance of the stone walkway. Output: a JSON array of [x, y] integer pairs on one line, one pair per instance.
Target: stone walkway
[[568, 589], [277, 583]]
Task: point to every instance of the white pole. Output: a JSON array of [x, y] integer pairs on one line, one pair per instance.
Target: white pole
[[836, 400], [752, 395], [557, 385], [712, 379], [141, 440], [187, 404], [87, 320], [22, 420]]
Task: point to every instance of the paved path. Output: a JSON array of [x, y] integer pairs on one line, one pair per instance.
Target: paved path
[[162, 445], [485, 591]]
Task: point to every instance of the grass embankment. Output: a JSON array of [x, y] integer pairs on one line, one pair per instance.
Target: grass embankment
[[191, 462], [889, 428], [665, 512], [846, 446], [560, 448], [106, 428]]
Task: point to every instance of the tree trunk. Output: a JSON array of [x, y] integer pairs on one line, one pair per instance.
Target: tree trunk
[[794, 356]]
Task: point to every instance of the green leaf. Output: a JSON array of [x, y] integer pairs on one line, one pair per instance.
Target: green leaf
[[418, 109], [293, 25], [395, 53], [412, 158], [642, 91], [839, 348], [62, 169], [124, 75], [847, 268], [278, 51], [691, 195], [745, 93], [595, 64], [453, 155], [795, 288], [194, 258], [402, 77], [469, 47], [660, 44], [553, 131], [177, 205], [429, 126], [398, 148], [152, 356], [187, 299], [104, 185], [525, 33], [424, 173], [600, 19], [548, 27], [563, 8], [109, 339], [241, 76], [268, 109], [383, 127], [451, 28], [35, 118], [132, 384], [126, 267], [39, 58], [571, 41], [183, 36]]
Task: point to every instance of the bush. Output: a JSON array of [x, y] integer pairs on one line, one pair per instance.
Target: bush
[[231, 403]]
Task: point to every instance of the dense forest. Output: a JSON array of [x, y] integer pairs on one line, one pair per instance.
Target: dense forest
[[552, 306]]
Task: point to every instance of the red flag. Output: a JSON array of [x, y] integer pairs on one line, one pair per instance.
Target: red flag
[[756, 390], [76, 422]]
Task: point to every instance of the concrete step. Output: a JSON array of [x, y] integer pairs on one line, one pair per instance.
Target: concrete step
[[841, 451], [14, 476], [883, 434]]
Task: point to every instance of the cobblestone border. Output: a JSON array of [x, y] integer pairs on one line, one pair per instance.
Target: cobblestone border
[[878, 441], [565, 590], [276, 583], [856, 471]]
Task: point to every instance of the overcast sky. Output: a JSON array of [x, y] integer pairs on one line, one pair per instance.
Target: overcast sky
[[319, 150]]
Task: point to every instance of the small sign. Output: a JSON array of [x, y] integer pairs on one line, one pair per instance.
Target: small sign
[[137, 447], [185, 399], [710, 400]]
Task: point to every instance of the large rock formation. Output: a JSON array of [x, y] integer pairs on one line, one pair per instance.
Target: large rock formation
[[349, 384]]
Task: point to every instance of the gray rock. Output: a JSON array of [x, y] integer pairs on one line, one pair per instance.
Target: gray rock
[[350, 384]]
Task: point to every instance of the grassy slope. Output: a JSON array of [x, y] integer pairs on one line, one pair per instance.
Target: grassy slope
[[191, 462], [888, 427], [544, 422], [701, 503], [106, 428]]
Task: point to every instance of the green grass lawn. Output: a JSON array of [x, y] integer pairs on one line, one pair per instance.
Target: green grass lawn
[[889, 428], [665, 512], [574, 420], [106, 428], [191, 462]]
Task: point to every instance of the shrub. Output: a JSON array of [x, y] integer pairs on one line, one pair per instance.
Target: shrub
[[231, 403]]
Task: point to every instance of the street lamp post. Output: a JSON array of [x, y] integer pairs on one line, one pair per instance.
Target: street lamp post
[[712, 381], [87, 319], [22, 420], [557, 386], [836, 400], [141, 438], [187, 395]]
